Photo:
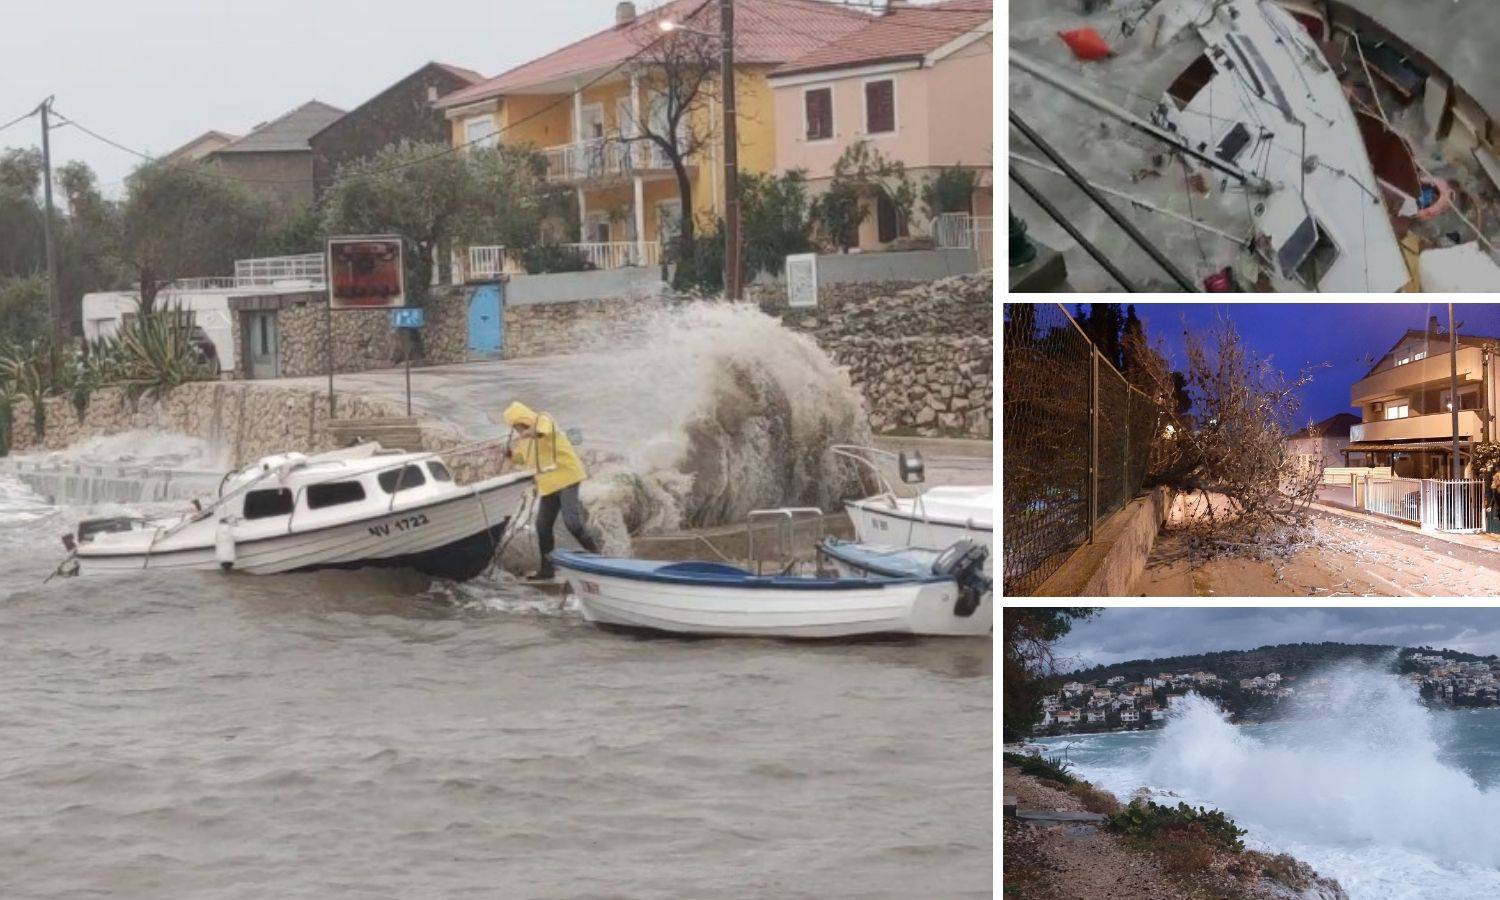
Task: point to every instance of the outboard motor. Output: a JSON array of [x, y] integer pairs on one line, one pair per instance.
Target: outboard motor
[[964, 563]]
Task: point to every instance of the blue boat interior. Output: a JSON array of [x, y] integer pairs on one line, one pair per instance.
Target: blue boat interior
[[713, 574], [887, 562]]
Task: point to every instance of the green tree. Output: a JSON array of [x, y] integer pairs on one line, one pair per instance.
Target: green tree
[[1030, 633], [420, 191], [181, 221], [862, 170], [23, 310], [775, 220], [950, 190]]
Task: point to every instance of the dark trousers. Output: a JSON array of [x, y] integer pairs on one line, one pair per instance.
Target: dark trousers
[[565, 501]]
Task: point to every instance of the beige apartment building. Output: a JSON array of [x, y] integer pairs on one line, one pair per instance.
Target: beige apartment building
[[1405, 404]]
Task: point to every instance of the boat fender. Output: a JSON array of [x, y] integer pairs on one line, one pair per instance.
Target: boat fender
[[964, 563], [224, 545]]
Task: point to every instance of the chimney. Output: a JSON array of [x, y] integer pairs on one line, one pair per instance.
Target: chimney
[[624, 12]]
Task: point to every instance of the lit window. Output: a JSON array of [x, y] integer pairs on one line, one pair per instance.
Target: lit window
[[1403, 360], [1417, 356], [1396, 412]]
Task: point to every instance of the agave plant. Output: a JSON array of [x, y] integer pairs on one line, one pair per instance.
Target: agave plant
[[153, 353]]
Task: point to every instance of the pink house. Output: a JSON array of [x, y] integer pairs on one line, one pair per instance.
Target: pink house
[[917, 84]]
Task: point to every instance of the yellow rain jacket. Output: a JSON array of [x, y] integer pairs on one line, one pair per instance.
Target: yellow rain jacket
[[545, 450]]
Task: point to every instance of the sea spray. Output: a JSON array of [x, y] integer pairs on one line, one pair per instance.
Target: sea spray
[[739, 413], [1357, 764]]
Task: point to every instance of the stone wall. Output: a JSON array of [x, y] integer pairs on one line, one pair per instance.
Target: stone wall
[[543, 329], [362, 339], [249, 420], [921, 355]]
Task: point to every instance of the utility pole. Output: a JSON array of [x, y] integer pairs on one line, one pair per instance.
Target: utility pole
[[731, 154], [1457, 468], [54, 299]]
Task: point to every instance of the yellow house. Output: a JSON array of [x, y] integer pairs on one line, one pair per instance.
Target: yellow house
[[581, 105]]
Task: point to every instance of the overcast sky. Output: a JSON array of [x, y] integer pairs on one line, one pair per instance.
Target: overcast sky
[[1119, 634], [152, 74]]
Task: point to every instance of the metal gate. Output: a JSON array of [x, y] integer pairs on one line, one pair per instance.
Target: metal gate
[[1455, 506]]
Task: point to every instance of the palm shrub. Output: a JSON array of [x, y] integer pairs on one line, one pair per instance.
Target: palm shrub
[[154, 355]]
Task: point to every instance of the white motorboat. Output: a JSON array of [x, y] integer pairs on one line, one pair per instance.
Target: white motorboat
[[933, 519], [708, 598], [345, 509]]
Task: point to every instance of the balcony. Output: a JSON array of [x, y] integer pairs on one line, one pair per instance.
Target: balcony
[[1435, 427], [619, 254], [1402, 379], [603, 160], [487, 262]]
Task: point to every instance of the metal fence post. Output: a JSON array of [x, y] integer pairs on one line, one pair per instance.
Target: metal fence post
[[1093, 441]]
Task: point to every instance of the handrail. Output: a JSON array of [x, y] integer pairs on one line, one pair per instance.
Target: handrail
[[783, 532]]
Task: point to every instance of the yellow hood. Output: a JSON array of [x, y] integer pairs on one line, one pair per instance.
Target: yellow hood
[[518, 413], [546, 450]]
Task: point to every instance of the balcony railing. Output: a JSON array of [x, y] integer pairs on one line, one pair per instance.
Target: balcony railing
[[486, 262], [1430, 370], [1434, 427], [602, 159], [619, 254]]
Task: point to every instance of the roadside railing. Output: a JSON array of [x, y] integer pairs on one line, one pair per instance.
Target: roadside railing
[[619, 254], [309, 267], [1454, 506], [1076, 442], [962, 231]]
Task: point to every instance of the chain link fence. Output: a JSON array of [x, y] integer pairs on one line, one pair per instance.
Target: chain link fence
[[1076, 439]]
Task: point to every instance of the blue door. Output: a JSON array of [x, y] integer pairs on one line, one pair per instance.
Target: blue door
[[485, 323]]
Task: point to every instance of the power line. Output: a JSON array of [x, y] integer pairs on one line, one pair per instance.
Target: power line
[[21, 118]]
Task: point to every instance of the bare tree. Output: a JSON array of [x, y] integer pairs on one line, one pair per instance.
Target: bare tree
[[678, 74]]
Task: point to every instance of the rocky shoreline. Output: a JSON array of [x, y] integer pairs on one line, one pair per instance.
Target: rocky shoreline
[[1092, 862]]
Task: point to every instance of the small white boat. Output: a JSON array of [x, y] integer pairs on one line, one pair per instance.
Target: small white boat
[[344, 509], [707, 598], [934, 519]]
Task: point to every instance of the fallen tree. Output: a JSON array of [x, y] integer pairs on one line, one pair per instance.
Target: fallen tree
[[1246, 494]]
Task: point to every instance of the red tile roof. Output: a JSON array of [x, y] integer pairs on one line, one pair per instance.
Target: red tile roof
[[905, 33], [767, 32]]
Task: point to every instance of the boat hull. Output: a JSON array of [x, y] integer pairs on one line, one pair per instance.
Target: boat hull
[[454, 537], [891, 609]]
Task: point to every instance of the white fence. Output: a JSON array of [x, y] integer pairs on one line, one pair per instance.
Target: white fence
[[958, 231], [486, 262], [1435, 504], [308, 267], [1399, 497], [1456, 506], [603, 158], [619, 254]]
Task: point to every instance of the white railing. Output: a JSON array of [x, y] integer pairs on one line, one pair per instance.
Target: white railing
[[486, 262], [308, 267], [619, 254], [603, 158], [200, 284], [961, 231], [1454, 506], [1399, 497]]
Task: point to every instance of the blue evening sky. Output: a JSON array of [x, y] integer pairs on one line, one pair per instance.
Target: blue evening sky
[[1348, 336]]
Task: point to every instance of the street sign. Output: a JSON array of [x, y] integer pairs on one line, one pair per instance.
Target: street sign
[[365, 273], [802, 280], [408, 317]]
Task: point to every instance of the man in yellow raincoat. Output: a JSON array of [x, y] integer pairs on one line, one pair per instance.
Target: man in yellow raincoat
[[537, 444]]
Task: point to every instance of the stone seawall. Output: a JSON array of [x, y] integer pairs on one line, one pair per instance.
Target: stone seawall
[[544, 329], [922, 355], [248, 420]]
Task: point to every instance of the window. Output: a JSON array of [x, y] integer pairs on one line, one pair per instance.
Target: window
[[334, 493], [268, 502], [402, 479], [1403, 360], [1396, 411], [1192, 80], [479, 131], [439, 471], [818, 107], [880, 106], [1420, 355]]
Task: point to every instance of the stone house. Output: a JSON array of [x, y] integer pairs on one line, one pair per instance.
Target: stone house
[[275, 159], [402, 112]]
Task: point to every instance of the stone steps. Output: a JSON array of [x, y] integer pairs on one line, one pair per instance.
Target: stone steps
[[393, 432]]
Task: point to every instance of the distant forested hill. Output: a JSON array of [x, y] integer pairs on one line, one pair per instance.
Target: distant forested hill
[[1288, 659]]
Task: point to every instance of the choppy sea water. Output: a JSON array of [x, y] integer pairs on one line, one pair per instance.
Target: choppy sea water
[[375, 735], [1396, 801]]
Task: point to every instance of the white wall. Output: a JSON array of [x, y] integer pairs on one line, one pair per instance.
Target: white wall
[[103, 313]]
